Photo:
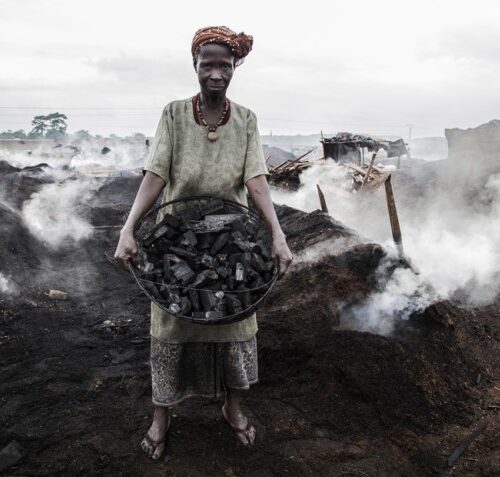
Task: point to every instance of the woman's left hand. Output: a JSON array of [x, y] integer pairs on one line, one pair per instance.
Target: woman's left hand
[[281, 254]]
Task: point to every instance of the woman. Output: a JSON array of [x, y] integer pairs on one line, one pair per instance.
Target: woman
[[206, 145]]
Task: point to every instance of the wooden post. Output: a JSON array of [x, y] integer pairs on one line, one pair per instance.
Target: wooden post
[[322, 200], [393, 216], [369, 171]]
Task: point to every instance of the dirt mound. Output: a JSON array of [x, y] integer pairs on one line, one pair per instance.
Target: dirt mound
[[7, 168], [276, 156], [20, 253], [75, 392], [19, 184]]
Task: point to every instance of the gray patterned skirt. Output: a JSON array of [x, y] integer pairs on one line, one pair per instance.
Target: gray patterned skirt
[[183, 370]]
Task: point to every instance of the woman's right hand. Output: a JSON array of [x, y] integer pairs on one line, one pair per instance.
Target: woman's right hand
[[126, 250]]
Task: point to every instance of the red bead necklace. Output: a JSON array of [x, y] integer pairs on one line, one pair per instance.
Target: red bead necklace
[[212, 130]]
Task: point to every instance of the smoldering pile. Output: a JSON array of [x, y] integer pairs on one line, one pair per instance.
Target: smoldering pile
[[209, 263]]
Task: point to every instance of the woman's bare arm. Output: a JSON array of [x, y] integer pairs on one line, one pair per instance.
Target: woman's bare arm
[[258, 189], [147, 195]]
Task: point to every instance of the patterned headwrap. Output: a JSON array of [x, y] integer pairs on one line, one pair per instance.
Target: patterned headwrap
[[239, 43]]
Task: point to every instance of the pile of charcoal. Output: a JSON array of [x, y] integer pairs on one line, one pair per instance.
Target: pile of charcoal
[[205, 264]]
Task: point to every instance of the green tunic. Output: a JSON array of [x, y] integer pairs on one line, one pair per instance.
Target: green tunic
[[191, 165]]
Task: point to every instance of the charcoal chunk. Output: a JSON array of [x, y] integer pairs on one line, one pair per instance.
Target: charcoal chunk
[[257, 282], [199, 315], [211, 207], [183, 272], [167, 271], [219, 243], [233, 305], [207, 261], [235, 258], [238, 226], [223, 272], [152, 289], [185, 305], [174, 308], [205, 241], [158, 233], [231, 248], [221, 259], [214, 315], [194, 299], [251, 274], [192, 213], [165, 291], [243, 244], [171, 221], [204, 277], [189, 239], [182, 252], [174, 298], [239, 272], [207, 299], [245, 297]]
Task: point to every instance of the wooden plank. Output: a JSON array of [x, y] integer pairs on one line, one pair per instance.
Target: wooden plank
[[298, 158], [278, 166], [322, 200], [393, 216], [455, 455], [369, 171], [357, 168]]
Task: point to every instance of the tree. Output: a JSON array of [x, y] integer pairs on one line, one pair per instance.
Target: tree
[[83, 135], [51, 126], [139, 137], [9, 134]]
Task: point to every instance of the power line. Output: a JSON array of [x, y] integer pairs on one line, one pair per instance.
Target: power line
[[155, 111]]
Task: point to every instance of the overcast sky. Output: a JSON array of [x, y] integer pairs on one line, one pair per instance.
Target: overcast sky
[[360, 66]]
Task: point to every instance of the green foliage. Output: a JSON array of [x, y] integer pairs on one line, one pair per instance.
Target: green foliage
[[51, 126], [9, 134], [139, 137], [83, 135]]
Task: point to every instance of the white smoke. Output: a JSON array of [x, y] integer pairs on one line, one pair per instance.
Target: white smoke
[[7, 286], [53, 214], [122, 156], [451, 233], [84, 157]]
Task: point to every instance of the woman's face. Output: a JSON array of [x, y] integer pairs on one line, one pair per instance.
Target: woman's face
[[214, 67]]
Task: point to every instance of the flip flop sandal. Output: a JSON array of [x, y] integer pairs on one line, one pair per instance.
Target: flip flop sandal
[[242, 432], [154, 444]]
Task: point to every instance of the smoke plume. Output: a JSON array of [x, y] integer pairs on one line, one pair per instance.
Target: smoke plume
[[450, 222], [53, 214], [7, 286]]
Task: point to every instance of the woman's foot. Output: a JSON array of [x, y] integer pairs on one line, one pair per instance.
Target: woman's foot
[[154, 443], [239, 424]]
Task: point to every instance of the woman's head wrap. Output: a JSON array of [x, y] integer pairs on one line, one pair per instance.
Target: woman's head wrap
[[239, 43]]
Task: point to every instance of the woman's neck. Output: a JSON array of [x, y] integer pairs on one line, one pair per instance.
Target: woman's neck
[[212, 102]]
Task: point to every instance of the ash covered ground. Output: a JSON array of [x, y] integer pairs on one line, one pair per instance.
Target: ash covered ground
[[332, 400]]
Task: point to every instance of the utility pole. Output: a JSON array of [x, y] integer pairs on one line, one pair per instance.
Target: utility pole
[[409, 126]]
